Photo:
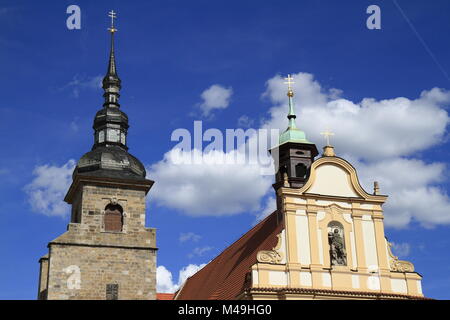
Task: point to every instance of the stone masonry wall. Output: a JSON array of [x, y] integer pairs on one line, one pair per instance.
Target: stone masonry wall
[[86, 258], [80, 272], [43, 275]]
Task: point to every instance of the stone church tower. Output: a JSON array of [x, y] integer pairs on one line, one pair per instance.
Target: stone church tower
[[106, 252]]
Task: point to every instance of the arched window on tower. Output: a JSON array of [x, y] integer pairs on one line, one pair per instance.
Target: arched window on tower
[[113, 218], [300, 170]]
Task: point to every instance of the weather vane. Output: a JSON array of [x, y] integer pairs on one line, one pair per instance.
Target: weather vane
[[289, 82], [113, 16], [327, 134]]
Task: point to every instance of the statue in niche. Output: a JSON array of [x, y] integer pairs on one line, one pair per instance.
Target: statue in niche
[[338, 255]]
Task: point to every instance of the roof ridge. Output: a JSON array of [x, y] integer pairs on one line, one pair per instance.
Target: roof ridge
[[228, 247]]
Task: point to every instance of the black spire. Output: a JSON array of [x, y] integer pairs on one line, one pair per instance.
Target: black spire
[[110, 123], [112, 61], [109, 156], [111, 81]]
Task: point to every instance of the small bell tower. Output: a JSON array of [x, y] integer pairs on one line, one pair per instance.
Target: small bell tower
[[294, 154]]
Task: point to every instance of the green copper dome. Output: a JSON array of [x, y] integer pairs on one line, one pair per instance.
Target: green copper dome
[[292, 133]]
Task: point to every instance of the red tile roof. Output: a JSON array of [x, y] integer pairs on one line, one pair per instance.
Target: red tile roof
[[164, 296], [224, 277]]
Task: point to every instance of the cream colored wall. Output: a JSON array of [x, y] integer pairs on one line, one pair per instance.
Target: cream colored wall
[[282, 246], [278, 278], [370, 245], [304, 241], [332, 180], [303, 238]]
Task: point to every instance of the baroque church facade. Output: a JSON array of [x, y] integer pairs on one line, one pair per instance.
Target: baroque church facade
[[106, 252], [325, 240]]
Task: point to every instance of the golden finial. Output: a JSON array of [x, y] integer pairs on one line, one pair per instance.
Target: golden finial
[[327, 134], [328, 150], [113, 16], [289, 82], [376, 188]]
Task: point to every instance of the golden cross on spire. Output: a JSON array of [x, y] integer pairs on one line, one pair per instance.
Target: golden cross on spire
[[113, 16], [327, 133], [289, 82]]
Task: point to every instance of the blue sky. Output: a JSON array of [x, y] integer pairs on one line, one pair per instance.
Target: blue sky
[[168, 54]]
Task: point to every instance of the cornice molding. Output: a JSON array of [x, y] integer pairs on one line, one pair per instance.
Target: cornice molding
[[144, 184]]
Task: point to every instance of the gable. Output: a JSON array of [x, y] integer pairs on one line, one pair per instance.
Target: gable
[[332, 176], [333, 180]]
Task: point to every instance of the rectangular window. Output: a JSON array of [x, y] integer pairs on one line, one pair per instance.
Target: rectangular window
[[112, 291], [113, 135], [101, 137]]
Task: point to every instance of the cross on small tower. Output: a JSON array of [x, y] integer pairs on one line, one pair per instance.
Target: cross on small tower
[[327, 134], [113, 16], [289, 82]]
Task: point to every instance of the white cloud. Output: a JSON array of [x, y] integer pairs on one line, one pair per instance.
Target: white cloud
[[413, 189], [164, 279], [164, 282], [208, 189], [378, 138], [200, 251], [401, 249], [215, 97], [270, 206], [46, 191], [188, 271], [189, 236], [369, 129], [79, 83], [245, 121], [74, 125]]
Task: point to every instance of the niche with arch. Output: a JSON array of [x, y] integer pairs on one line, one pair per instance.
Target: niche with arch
[[336, 240]]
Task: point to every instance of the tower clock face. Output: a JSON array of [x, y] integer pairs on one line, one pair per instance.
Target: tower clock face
[[113, 135]]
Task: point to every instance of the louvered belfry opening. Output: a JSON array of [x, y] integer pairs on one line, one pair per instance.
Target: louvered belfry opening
[[113, 218]]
